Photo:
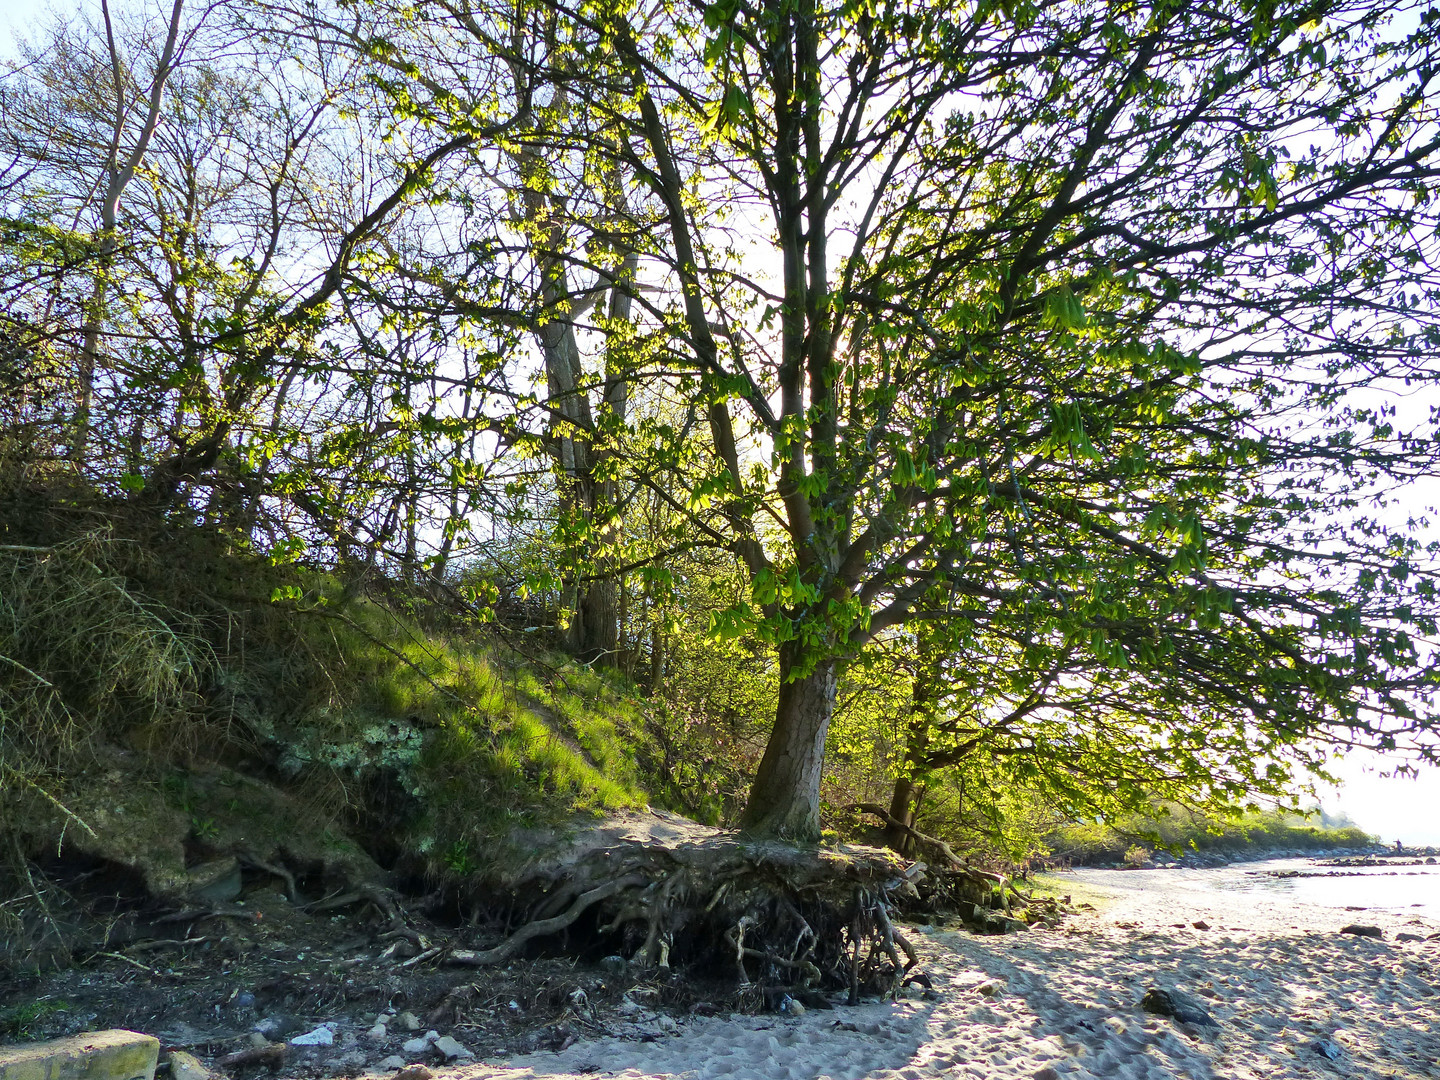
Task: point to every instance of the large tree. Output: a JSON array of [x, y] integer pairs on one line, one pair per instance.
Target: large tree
[[1066, 319]]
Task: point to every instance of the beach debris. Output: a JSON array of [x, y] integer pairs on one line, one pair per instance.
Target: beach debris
[[1327, 1048], [1363, 931], [1176, 1005]]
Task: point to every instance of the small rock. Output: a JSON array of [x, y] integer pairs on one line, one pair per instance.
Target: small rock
[[1176, 1005], [988, 989], [1327, 1048], [1200, 924], [377, 1034], [257, 1040], [813, 999], [354, 1060], [409, 1021], [613, 965], [216, 882], [185, 1066], [1409, 937], [414, 1072], [278, 1026], [1363, 931], [1046, 1073], [791, 1007], [242, 1001], [415, 1046], [451, 1048], [395, 1061], [323, 1035]]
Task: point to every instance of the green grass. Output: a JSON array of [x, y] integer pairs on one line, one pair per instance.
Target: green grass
[[481, 746], [19, 1021]]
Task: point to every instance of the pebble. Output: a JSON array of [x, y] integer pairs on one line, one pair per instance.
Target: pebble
[[185, 1066], [409, 1021], [377, 1034], [1362, 931], [394, 1061], [451, 1048], [414, 1072], [1177, 1005], [273, 1027], [420, 1043], [321, 1036]]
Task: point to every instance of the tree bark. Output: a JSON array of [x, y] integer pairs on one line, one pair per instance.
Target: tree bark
[[902, 811], [595, 630], [785, 798]]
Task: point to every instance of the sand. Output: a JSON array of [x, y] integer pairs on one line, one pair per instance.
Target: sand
[[1273, 972]]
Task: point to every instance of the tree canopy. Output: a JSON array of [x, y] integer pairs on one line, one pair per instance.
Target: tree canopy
[[1071, 349]]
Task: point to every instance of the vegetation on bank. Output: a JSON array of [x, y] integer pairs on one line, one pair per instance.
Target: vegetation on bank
[[465, 422], [1133, 838]]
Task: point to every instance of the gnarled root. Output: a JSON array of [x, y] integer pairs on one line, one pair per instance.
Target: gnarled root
[[760, 912]]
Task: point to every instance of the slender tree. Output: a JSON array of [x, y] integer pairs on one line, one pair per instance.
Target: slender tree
[[1065, 315]]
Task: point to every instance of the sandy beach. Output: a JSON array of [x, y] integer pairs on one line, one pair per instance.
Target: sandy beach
[[1284, 986]]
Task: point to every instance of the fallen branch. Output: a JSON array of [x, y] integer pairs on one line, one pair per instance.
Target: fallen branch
[[934, 843], [271, 1055], [195, 914]]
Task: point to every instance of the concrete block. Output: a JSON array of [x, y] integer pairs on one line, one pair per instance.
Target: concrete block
[[92, 1055]]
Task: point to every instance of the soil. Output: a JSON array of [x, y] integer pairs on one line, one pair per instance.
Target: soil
[[206, 983], [235, 981]]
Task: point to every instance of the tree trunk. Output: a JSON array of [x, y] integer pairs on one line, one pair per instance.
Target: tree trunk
[[902, 809], [595, 631], [785, 798]]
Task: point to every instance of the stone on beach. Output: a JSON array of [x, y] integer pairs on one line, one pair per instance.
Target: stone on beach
[[1177, 1005], [1363, 931]]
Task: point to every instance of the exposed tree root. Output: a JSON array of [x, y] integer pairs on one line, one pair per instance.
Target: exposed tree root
[[663, 892]]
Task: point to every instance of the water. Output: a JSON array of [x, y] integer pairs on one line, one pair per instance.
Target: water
[[1410, 889], [1394, 887]]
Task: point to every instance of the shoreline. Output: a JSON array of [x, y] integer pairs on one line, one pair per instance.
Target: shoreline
[[1291, 997], [1204, 860]]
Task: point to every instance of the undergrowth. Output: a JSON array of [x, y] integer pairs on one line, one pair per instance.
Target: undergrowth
[[424, 737]]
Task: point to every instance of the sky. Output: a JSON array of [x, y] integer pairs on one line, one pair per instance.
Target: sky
[[1395, 808]]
